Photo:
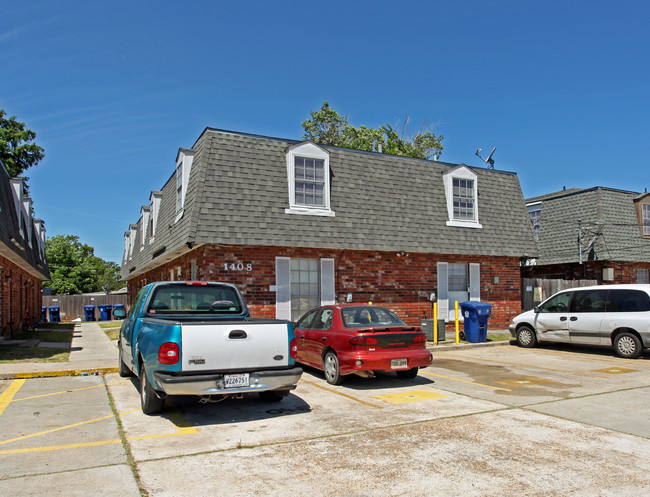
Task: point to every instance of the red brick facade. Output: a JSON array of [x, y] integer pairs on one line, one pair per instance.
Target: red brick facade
[[20, 297], [402, 283]]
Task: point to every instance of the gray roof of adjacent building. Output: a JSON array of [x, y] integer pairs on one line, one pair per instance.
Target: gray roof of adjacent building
[[604, 220], [238, 193]]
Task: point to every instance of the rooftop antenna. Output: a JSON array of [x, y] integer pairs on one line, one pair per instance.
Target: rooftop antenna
[[489, 161]]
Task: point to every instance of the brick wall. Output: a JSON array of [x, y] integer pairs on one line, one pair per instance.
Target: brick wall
[[624, 272], [401, 283], [20, 294]]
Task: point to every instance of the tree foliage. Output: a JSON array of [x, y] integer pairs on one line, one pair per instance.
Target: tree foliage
[[74, 268], [17, 150], [327, 127]]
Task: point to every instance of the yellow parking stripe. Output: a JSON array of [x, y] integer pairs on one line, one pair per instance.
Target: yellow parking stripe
[[342, 394], [101, 385], [7, 396], [464, 381]]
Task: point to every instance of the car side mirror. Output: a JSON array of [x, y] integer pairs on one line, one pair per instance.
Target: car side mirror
[[536, 309]]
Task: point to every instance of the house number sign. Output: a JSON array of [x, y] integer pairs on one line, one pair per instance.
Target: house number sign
[[237, 266]]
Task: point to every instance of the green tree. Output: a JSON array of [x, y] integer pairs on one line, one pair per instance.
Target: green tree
[[327, 127], [74, 268], [17, 150]]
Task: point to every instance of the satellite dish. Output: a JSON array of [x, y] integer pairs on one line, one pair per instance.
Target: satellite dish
[[489, 160]]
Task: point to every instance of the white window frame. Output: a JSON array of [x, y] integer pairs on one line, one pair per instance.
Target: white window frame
[[145, 212], [155, 208], [310, 151], [645, 219], [535, 207], [461, 173], [184, 161]]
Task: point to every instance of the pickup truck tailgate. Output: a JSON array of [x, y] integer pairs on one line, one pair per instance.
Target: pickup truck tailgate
[[234, 345]]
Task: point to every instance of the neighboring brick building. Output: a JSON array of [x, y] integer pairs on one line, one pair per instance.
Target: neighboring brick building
[[595, 233], [294, 225], [22, 257]]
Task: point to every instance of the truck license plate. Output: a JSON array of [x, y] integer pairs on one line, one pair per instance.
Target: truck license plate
[[399, 363], [236, 380]]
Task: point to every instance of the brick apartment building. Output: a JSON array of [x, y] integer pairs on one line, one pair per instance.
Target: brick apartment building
[[295, 224], [23, 267], [594, 233]]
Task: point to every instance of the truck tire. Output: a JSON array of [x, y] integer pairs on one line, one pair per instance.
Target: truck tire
[[150, 402], [271, 396]]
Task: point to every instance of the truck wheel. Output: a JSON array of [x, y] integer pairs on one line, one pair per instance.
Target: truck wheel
[[408, 374], [331, 369], [526, 337], [123, 371], [151, 403], [627, 345]]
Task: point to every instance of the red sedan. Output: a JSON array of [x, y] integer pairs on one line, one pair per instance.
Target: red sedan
[[359, 339]]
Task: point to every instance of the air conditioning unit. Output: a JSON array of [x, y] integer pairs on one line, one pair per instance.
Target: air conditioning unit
[[608, 274]]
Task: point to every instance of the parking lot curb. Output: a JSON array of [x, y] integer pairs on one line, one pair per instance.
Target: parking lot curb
[[53, 374]]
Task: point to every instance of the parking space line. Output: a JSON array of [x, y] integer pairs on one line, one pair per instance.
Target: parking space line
[[7, 396], [342, 394], [464, 381], [101, 385]]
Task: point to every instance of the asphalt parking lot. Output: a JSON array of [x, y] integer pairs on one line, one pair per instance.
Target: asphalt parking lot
[[481, 421]]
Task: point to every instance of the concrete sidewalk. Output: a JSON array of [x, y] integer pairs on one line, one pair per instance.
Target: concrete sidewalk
[[91, 352]]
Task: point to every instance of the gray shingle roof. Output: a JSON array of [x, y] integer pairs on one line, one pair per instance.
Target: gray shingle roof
[[238, 193], [12, 244], [609, 226]]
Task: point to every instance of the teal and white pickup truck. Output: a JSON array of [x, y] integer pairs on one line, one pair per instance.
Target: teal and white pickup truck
[[197, 338]]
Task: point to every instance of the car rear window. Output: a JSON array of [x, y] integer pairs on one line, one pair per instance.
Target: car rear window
[[192, 299], [356, 317], [628, 301]]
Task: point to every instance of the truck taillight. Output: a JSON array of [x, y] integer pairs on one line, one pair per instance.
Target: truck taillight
[[293, 348], [168, 353], [363, 340]]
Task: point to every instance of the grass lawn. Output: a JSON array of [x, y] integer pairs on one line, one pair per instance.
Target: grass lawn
[[111, 328], [32, 354]]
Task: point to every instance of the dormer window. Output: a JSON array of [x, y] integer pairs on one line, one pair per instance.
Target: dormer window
[[535, 213], [462, 198], [645, 214], [642, 207], [308, 173], [183, 168]]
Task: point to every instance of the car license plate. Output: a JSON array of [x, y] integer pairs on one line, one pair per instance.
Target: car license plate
[[399, 363], [236, 380]]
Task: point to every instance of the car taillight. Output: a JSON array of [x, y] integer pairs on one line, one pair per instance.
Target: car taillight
[[293, 348], [363, 341], [420, 337], [168, 353]]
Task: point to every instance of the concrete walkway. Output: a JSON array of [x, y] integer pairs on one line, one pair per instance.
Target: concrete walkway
[[91, 352]]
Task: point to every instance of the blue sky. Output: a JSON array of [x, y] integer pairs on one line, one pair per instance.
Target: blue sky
[[113, 89]]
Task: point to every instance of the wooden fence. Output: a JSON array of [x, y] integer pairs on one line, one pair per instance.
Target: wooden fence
[[536, 290], [72, 306]]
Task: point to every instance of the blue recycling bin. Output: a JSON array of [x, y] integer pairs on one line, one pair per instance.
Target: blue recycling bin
[[44, 314], [55, 316], [119, 311], [105, 312], [90, 312], [475, 316]]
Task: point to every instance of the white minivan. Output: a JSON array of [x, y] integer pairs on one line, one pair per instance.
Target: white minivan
[[614, 315]]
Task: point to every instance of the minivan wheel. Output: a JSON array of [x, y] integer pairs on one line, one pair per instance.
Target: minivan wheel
[[627, 345], [526, 337]]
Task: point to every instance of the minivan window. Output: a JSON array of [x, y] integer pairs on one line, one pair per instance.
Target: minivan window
[[558, 303], [588, 301], [628, 301]]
